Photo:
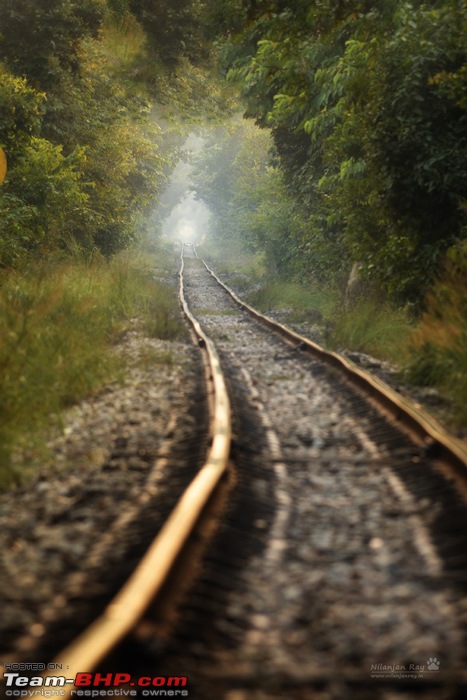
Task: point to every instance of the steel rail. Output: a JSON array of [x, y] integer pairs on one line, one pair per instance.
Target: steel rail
[[421, 426], [128, 606]]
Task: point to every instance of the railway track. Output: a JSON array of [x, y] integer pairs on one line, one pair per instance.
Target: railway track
[[319, 551]]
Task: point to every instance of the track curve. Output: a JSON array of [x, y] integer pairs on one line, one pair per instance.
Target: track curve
[[340, 549]]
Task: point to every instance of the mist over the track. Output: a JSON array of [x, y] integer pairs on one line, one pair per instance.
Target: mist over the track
[[185, 219]]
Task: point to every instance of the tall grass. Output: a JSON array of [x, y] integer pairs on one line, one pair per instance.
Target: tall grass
[[438, 346], [304, 303], [370, 326], [59, 322]]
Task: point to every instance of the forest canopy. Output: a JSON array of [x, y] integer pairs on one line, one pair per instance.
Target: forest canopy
[[365, 102], [367, 106], [83, 86]]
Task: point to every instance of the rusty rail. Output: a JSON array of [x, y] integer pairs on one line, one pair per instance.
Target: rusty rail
[[421, 426], [128, 606]]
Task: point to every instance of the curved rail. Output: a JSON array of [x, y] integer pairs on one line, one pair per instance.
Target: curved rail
[[125, 610], [128, 606], [420, 425]]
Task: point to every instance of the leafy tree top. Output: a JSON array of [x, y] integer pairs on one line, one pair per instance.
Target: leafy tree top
[[41, 38]]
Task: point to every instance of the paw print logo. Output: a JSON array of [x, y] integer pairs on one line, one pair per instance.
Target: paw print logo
[[433, 664]]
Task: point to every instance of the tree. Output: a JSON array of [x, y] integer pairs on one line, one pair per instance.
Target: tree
[[367, 105], [401, 149], [42, 191], [83, 160], [235, 177], [40, 39], [172, 26]]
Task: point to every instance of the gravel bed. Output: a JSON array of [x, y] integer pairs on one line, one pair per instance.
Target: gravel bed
[[349, 576], [97, 472]]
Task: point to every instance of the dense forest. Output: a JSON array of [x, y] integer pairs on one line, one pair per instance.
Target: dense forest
[[366, 103], [335, 136], [78, 85]]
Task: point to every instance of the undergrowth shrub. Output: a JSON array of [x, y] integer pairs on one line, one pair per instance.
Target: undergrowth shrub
[[438, 345], [312, 303], [59, 322], [370, 326]]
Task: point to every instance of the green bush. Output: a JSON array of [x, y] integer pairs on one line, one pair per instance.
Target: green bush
[[438, 345]]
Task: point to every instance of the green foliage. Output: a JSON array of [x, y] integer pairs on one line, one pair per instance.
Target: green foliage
[[245, 192], [41, 38], [370, 326], [367, 107], [438, 345], [21, 109], [43, 189], [51, 193], [221, 18], [189, 95], [16, 234], [45, 312], [85, 157], [126, 171], [92, 178], [408, 138], [238, 177], [172, 27]]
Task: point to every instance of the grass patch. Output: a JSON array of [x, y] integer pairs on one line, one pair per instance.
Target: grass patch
[[158, 305], [372, 327], [59, 323], [368, 326], [303, 303], [438, 346]]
